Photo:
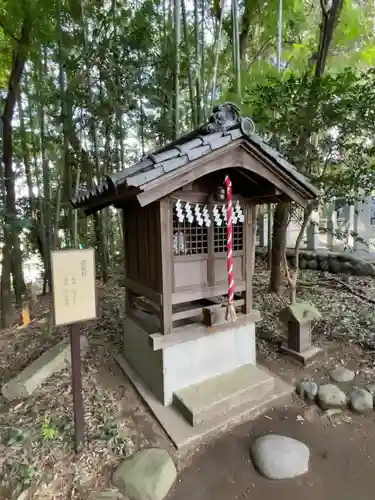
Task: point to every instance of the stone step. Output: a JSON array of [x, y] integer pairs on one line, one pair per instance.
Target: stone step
[[32, 377], [216, 396]]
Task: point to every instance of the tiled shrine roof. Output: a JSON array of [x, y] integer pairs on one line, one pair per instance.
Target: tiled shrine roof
[[225, 126]]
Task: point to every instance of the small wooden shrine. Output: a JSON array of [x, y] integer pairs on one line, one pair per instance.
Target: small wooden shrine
[[178, 344]]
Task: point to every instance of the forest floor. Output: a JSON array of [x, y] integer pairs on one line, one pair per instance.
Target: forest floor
[[36, 434], [341, 460]]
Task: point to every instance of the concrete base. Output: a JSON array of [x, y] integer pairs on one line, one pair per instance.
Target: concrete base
[[306, 357], [198, 354], [183, 434]]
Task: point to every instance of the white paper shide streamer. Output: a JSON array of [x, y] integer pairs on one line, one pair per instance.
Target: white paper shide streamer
[[180, 214], [194, 211], [189, 213], [206, 216], [198, 215]]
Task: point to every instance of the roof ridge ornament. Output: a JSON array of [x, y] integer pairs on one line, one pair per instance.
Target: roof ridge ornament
[[224, 116], [247, 126]]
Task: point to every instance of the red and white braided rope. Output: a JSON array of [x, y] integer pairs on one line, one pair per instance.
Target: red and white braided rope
[[231, 312]]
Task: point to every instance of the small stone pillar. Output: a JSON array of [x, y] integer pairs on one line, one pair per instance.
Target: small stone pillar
[[351, 223], [357, 211], [331, 229], [263, 230], [312, 234], [298, 319]]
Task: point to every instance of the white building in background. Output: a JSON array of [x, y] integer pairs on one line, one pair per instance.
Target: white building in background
[[334, 231]]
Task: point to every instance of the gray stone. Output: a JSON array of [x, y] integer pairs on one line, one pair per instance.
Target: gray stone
[[334, 266], [146, 475], [313, 264], [324, 265], [302, 264], [106, 495], [33, 376], [341, 374], [280, 457], [371, 388], [307, 389], [322, 256], [346, 267], [332, 412], [330, 396], [361, 400], [310, 256], [364, 269]]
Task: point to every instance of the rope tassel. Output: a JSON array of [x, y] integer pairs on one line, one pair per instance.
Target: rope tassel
[[231, 311]]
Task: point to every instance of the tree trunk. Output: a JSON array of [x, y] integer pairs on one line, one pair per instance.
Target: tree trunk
[[176, 75], [5, 292], [292, 276], [280, 222], [99, 221], [12, 247], [45, 204], [330, 18], [189, 65]]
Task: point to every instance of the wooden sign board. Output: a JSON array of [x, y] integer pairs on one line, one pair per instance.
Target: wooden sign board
[[73, 285]]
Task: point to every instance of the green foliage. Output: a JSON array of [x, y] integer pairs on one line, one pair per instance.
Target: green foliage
[[323, 126], [15, 436], [120, 89], [27, 474], [49, 430]]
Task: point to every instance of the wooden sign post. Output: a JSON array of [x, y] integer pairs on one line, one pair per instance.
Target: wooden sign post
[[74, 301]]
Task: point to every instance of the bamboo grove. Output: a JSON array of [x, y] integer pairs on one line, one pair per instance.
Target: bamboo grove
[[88, 86]]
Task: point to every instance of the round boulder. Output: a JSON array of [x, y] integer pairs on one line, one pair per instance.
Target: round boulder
[[280, 457], [361, 400], [309, 255], [322, 256], [106, 495], [364, 269], [334, 266], [330, 396], [147, 475], [307, 389], [371, 389], [313, 264], [341, 374], [324, 265], [346, 267]]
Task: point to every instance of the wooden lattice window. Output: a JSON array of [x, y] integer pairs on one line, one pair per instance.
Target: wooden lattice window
[[220, 237], [194, 222], [189, 237]]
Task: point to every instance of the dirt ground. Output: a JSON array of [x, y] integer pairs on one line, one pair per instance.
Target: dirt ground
[[342, 447], [36, 434], [341, 462]]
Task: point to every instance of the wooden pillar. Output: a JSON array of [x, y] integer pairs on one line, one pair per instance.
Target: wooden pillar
[[351, 222], [128, 298], [166, 265], [269, 235], [357, 210], [330, 228], [263, 229], [312, 236], [250, 221], [211, 250]]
